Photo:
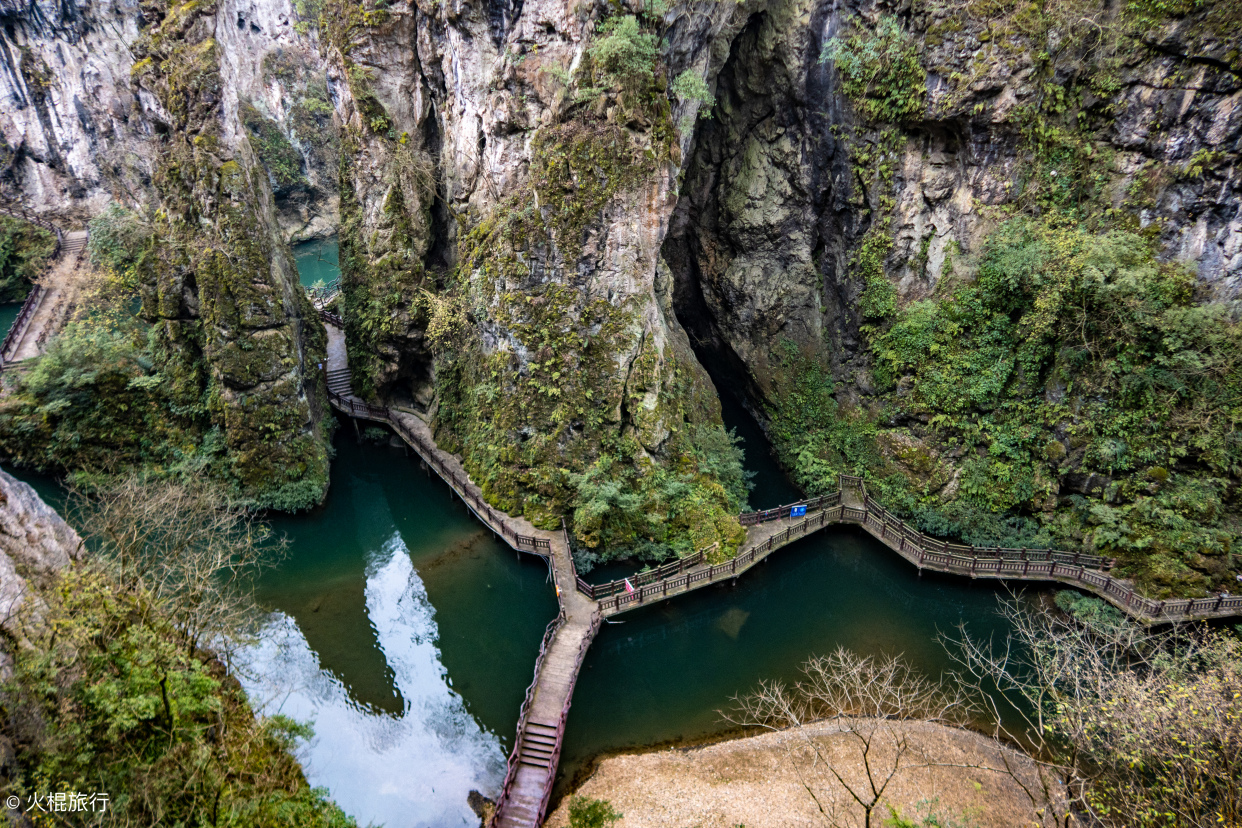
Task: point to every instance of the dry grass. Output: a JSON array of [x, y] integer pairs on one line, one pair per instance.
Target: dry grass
[[753, 782]]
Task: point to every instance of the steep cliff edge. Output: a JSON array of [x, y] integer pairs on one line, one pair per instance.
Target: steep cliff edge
[[986, 254], [156, 107], [509, 183]]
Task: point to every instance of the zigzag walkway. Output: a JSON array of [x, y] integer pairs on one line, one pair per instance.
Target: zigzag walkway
[[541, 723], [523, 799], [775, 528]]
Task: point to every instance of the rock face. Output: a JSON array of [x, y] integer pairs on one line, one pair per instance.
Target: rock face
[[35, 543], [541, 246], [501, 245], [168, 110], [78, 133], [776, 198], [221, 287]]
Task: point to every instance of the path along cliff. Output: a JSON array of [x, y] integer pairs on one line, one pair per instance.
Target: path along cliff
[[531, 774]]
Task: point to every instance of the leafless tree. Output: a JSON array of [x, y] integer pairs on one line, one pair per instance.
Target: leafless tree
[[186, 545], [864, 696], [1145, 724]]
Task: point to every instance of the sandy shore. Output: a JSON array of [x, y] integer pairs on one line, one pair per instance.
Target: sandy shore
[[774, 780]]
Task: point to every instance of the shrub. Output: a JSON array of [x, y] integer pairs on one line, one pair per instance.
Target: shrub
[[690, 86], [118, 242], [623, 55], [880, 71], [24, 252], [591, 813]]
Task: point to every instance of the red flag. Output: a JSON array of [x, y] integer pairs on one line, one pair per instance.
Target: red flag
[[628, 586]]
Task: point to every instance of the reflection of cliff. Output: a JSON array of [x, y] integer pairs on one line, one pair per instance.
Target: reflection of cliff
[[413, 768]]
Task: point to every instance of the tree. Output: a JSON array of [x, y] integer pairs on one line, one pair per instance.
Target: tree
[[1145, 724], [186, 545], [864, 695]]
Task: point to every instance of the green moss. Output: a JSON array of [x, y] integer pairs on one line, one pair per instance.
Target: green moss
[[283, 162]]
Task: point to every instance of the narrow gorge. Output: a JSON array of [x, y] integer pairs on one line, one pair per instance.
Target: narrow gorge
[[625, 275]]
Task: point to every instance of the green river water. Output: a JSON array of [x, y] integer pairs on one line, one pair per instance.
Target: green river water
[[407, 634]]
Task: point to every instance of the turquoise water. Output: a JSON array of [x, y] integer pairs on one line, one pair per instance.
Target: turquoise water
[[317, 261], [8, 315], [406, 634]]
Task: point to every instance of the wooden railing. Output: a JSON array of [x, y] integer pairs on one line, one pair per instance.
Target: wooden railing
[[18, 329], [1078, 569], [524, 713], [357, 408], [934, 545], [782, 512], [690, 578], [321, 296], [17, 211], [596, 618]]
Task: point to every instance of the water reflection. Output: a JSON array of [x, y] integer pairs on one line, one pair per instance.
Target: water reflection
[[412, 768]]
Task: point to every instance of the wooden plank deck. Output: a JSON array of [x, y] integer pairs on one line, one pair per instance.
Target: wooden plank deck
[[541, 726]]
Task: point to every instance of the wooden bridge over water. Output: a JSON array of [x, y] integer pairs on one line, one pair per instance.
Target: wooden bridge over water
[[524, 796], [527, 788]]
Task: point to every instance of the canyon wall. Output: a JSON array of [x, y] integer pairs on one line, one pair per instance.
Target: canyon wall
[[146, 106], [553, 215]]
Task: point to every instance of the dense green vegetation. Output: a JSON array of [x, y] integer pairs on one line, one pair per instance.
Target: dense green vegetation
[[24, 251], [96, 402], [112, 690], [1077, 353], [1064, 386]]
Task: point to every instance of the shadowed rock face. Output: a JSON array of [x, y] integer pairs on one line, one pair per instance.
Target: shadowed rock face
[[581, 248]]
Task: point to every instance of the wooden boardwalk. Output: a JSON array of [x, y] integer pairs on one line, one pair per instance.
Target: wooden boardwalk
[[524, 796], [541, 722], [52, 298]]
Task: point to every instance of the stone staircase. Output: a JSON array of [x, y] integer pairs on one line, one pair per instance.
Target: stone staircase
[[339, 383]]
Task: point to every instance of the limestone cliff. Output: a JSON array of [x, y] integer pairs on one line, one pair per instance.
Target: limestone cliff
[[501, 258], [148, 105], [901, 232], [35, 544]]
